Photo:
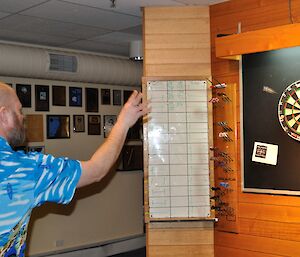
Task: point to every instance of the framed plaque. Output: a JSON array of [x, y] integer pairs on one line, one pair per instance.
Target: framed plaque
[[136, 131], [39, 149], [24, 93], [75, 96], [94, 125], [58, 126], [109, 122], [105, 96], [117, 99], [126, 95], [78, 123], [34, 124], [132, 156], [41, 98], [59, 95], [92, 99]]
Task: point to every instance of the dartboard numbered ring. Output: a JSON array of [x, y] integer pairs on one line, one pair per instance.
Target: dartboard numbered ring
[[289, 110]]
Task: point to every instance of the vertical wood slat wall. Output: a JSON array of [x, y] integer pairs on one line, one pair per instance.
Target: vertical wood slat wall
[[176, 42], [269, 225], [177, 46]]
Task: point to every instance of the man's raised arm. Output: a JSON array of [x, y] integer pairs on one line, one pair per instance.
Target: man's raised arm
[[105, 156]]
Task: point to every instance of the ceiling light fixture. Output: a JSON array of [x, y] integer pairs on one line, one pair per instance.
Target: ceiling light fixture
[[136, 50]]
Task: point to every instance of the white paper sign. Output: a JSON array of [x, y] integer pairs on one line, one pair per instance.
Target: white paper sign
[[265, 153]]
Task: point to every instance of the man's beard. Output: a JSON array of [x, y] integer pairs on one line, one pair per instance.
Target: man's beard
[[17, 134]]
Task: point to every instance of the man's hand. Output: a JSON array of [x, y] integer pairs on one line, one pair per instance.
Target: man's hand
[[133, 110]]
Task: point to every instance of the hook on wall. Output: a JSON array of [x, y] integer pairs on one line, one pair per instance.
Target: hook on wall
[[113, 4]]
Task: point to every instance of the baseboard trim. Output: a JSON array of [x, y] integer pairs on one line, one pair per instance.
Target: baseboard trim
[[104, 249]]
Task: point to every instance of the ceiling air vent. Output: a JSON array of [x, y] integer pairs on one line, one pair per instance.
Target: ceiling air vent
[[60, 62]]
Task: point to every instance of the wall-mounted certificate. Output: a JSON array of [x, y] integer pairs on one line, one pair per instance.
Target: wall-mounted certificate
[[41, 98], [75, 96], [24, 93], [109, 122], [94, 125], [78, 123], [58, 126]]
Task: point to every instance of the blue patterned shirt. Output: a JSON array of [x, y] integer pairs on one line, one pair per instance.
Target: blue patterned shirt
[[27, 181]]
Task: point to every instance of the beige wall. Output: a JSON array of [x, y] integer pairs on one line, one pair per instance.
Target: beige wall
[[99, 213], [111, 209]]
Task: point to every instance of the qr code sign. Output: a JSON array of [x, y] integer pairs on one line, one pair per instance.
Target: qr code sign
[[261, 151]]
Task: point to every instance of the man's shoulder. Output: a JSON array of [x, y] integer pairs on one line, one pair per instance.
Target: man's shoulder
[[16, 164]]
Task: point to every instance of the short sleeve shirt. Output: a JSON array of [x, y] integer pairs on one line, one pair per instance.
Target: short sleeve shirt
[[27, 181]]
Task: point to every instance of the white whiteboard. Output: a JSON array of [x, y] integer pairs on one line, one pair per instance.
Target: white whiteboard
[[178, 149]]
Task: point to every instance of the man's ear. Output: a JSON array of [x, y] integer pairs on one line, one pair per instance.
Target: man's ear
[[3, 116]]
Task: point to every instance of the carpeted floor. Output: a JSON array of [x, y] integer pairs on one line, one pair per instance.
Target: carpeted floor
[[136, 253]]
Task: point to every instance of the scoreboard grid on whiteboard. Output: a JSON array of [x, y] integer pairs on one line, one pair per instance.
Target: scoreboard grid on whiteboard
[[178, 149]]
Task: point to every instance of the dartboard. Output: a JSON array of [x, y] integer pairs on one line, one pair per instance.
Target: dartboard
[[289, 110]]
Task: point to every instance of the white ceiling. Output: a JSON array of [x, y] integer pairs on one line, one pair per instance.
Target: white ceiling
[[90, 25]]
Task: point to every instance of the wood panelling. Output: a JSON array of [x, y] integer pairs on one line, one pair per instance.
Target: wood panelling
[[179, 240], [224, 67], [252, 14], [186, 41], [180, 236], [230, 252], [271, 212], [270, 199], [268, 224], [295, 11], [251, 17], [176, 41], [258, 41], [180, 56], [257, 244], [273, 229], [180, 26], [179, 251], [229, 78], [177, 47], [174, 69], [167, 13], [235, 7]]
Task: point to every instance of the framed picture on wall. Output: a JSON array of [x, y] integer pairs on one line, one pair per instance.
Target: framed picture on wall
[[92, 99], [94, 125], [34, 124], [105, 96], [109, 122], [126, 95], [75, 96], [22, 148], [59, 95], [117, 99], [58, 126], [78, 123], [24, 93], [136, 131], [132, 156], [39, 149], [41, 98]]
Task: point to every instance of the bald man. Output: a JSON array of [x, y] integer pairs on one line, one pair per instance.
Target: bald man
[[29, 180]]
